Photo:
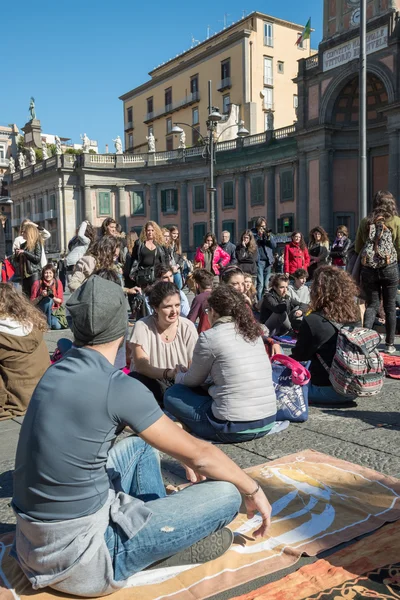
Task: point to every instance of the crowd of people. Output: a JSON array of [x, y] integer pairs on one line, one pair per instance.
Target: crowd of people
[[181, 376]]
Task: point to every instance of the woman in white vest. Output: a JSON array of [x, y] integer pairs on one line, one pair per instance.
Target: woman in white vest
[[227, 395]]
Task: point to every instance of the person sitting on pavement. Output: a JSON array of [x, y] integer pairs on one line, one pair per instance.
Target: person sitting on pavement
[[48, 295], [86, 535], [165, 273], [210, 256], [228, 247], [162, 340], [278, 311], [333, 298], [103, 254], [203, 281], [23, 353], [239, 404], [298, 290]]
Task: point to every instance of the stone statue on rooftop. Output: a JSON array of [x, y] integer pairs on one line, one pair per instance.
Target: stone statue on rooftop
[[45, 150], [32, 157], [11, 165], [85, 143], [182, 140], [21, 161], [32, 108], [151, 142], [118, 145], [58, 145]]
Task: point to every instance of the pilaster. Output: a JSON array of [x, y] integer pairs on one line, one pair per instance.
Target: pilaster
[[184, 230], [242, 204], [271, 200]]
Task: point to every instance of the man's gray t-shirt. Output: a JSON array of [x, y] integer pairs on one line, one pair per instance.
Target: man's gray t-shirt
[[72, 420]]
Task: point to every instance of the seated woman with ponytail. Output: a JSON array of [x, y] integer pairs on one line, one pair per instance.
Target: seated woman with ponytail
[[230, 360]]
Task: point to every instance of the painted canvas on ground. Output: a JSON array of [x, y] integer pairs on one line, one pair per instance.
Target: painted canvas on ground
[[317, 501]]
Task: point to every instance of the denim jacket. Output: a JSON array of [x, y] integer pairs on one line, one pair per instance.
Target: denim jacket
[[266, 246]]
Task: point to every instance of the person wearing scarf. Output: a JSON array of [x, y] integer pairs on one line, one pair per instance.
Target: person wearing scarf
[[296, 254], [340, 247], [48, 295]]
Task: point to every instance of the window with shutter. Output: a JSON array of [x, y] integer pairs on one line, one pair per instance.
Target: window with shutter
[[137, 203], [52, 202], [103, 203], [286, 186], [231, 227], [169, 201], [228, 200], [199, 198], [257, 192], [199, 231]]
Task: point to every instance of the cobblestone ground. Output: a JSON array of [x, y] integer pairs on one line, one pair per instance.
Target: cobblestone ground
[[367, 434]]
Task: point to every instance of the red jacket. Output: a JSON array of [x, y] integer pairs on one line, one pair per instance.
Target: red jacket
[[57, 291], [295, 258], [220, 259]]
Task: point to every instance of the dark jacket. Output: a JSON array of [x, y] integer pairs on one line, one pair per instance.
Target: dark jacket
[[316, 336], [341, 251], [266, 245], [272, 302], [246, 260], [161, 255], [2, 244], [317, 251], [230, 249], [177, 258], [30, 260]]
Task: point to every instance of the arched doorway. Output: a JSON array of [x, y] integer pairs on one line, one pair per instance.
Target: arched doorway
[[346, 107]]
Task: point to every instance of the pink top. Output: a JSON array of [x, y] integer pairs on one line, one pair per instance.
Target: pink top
[[220, 259]]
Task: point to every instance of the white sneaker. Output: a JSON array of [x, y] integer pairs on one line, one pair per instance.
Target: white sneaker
[[390, 349]]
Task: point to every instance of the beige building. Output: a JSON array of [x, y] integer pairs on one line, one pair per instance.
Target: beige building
[[251, 63]]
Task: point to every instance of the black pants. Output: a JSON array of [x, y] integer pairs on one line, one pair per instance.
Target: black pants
[[377, 284], [156, 387]]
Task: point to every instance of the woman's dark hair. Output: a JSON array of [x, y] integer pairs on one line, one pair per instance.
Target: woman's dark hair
[[105, 224], [321, 230], [104, 251], [260, 221], [230, 272], [276, 279], [90, 232], [384, 205], [161, 290], [342, 229], [228, 302], [302, 243], [49, 267], [203, 278], [333, 293], [252, 246], [109, 275], [161, 269], [214, 239], [300, 273]]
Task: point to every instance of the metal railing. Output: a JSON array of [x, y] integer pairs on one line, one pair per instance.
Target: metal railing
[[225, 83], [168, 108], [128, 125]]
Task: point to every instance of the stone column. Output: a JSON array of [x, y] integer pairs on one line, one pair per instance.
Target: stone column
[[301, 221], [87, 203], [184, 216], [271, 200], [325, 191], [394, 162], [242, 204], [153, 202], [121, 206]]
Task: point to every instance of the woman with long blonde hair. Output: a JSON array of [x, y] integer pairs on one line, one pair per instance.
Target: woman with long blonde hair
[[29, 256], [44, 235], [148, 252], [23, 353], [177, 260]]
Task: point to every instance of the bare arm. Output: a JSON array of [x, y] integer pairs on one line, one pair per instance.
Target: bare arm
[[143, 366], [207, 460]]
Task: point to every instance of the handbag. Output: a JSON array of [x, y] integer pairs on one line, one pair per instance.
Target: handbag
[[61, 315], [290, 379], [145, 276]]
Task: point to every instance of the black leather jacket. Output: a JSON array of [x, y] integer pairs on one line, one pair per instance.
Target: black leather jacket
[[31, 260]]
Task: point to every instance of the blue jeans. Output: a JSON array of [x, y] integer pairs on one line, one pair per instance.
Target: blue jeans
[[325, 394], [191, 406], [178, 280], [178, 520], [263, 276], [46, 306]]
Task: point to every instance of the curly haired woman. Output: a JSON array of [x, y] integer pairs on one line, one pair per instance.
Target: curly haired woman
[[333, 298], [148, 251], [240, 404], [103, 254], [318, 249], [23, 353]]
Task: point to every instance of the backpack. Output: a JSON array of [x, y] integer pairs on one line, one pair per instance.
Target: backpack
[[379, 249], [357, 367]]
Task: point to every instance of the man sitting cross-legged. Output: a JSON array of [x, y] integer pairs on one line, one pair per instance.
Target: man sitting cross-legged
[[88, 515]]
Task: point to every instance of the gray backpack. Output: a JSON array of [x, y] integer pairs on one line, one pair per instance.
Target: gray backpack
[[379, 250]]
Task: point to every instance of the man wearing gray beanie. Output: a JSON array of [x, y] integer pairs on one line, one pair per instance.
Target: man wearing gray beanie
[[90, 515]]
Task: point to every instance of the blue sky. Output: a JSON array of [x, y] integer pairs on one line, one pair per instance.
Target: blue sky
[[77, 58]]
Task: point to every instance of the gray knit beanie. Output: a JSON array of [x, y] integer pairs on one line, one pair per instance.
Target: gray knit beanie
[[98, 311]]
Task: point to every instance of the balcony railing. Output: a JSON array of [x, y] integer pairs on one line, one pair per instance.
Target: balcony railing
[[129, 125], [51, 214], [225, 84], [284, 132], [312, 62], [132, 158], [36, 217], [169, 108]]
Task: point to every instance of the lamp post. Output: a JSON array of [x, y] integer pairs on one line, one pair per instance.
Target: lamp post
[[362, 194], [210, 143]]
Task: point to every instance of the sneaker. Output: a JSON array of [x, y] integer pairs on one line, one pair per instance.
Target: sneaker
[[209, 548], [390, 349]]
